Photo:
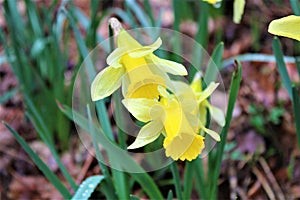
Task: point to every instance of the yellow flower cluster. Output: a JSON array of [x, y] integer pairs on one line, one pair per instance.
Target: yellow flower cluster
[[172, 108]]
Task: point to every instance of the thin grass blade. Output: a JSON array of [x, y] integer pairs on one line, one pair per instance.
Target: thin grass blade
[[40, 164]]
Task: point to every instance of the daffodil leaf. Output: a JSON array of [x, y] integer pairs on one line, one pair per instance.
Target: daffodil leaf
[[147, 134], [140, 108], [145, 50], [208, 91], [238, 10], [106, 82], [217, 114], [286, 26], [169, 66]]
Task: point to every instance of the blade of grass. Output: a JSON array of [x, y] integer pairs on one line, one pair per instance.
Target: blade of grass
[[100, 106], [138, 12], [233, 92], [295, 4], [201, 187], [188, 180], [176, 178], [281, 66], [40, 164], [45, 136], [214, 64], [7, 95], [296, 107], [149, 11], [87, 187], [201, 38], [170, 195], [108, 185]]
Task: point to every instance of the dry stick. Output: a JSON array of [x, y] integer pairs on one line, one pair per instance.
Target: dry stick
[[85, 167], [271, 178], [264, 182]]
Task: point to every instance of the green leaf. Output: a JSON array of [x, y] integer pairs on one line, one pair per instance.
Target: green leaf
[[87, 187], [40, 164], [188, 180], [296, 107], [176, 179], [7, 95], [295, 4], [214, 64], [138, 12], [170, 195], [281, 66], [233, 93]]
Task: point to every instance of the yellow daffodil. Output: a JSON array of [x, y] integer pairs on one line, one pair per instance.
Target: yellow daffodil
[[134, 61], [174, 115], [201, 96], [287, 26]]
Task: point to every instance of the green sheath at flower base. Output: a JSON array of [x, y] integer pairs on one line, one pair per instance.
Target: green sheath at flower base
[[287, 26], [132, 59]]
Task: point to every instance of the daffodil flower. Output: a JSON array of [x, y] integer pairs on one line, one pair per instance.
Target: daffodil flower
[[201, 96], [134, 61], [175, 116], [287, 26]]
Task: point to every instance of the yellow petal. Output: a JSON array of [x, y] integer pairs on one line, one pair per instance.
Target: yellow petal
[[217, 114], [114, 58], [238, 10], [140, 108], [169, 66], [287, 26], [147, 134], [196, 84], [106, 82], [212, 133], [208, 91], [186, 147], [125, 40], [145, 50]]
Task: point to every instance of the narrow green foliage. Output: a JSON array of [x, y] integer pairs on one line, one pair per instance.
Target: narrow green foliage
[[188, 180], [215, 64], [281, 66], [87, 187], [233, 92], [176, 179], [296, 107], [40, 164], [295, 4]]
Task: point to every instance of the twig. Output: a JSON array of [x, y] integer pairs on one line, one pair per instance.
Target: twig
[[85, 167], [271, 178], [264, 182]]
